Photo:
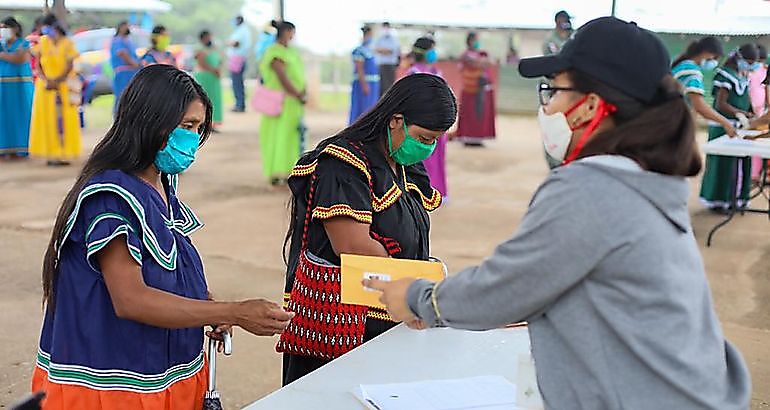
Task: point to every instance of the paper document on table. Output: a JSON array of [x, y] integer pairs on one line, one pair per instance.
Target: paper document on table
[[749, 133], [483, 393], [738, 141]]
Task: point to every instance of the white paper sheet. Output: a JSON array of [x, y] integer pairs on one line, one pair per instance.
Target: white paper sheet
[[483, 393]]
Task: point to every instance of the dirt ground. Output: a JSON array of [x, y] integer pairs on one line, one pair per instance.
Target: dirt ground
[[246, 220]]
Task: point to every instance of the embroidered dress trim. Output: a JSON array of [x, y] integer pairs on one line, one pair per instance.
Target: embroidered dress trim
[[431, 203], [322, 213], [116, 379]]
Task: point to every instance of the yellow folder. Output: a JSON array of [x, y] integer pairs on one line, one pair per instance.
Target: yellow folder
[[356, 268]]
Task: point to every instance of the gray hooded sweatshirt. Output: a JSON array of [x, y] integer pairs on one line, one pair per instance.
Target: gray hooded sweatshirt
[[606, 270]]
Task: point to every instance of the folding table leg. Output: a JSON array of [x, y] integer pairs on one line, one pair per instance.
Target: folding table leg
[[733, 205]]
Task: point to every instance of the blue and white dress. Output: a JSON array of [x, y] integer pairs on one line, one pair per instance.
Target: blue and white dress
[[360, 102], [16, 92], [88, 356]]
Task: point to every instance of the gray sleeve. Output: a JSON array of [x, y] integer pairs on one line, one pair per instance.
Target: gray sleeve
[[560, 240]]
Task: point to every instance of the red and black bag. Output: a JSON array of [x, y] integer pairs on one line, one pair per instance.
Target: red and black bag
[[323, 327]]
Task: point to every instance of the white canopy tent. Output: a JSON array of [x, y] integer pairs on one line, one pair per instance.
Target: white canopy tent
[[332, 25]]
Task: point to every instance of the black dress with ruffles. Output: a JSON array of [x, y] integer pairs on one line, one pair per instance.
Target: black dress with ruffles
[[397, 212]]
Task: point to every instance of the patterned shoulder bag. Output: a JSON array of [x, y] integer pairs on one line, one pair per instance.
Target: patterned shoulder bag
[[323, 327]]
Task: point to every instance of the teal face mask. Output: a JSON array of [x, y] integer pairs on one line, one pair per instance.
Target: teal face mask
[[411, 151], [709, 65], [179, 152], [431, 56]]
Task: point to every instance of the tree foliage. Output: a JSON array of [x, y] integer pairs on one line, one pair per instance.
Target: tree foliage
[[189, 17]]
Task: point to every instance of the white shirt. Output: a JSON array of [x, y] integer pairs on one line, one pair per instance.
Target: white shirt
[[390, 42]]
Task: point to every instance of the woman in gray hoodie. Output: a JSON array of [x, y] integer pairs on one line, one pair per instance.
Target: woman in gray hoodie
[[604, 265]]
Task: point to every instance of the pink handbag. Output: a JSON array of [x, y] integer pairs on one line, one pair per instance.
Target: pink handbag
[[235, 63], [266, 101]]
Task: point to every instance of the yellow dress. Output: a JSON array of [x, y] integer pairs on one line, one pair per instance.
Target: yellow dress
[[55, 128]]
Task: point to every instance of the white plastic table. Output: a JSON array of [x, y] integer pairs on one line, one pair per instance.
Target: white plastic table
[[403, 355], [734, 147], [740, 148]]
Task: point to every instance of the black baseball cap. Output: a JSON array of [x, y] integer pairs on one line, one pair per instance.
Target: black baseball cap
[[617, 53]]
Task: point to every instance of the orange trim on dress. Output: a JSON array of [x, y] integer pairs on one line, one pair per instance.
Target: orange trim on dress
[[183, 394]]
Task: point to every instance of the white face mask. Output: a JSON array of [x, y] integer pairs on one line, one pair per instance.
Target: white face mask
[[556, 134], [6, 33]]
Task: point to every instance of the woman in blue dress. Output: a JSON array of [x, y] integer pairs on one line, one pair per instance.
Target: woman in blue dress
[[125, 293], [124, 60], [16, 90], [366, 84]]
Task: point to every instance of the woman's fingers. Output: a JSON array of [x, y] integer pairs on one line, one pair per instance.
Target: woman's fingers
[[416, 324], [375, 284], [279, 314]]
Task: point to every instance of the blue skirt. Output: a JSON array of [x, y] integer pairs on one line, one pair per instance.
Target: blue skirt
[[360, 103], [15, 113]]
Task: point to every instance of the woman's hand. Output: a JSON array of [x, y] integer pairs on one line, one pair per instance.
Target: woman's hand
[[262, 317], [218, 334], [52, 84], [301, 96], [730, 130], [760, 121], [394, 299]]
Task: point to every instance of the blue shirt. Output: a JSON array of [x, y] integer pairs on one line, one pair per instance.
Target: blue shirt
[[690, 77], [121, 43], [243, 36], [263, 42], [14, 70]]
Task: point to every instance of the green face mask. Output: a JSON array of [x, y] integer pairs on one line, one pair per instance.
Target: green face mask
[[410, 151]]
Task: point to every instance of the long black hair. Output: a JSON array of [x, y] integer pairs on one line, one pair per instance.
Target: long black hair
[[151, 107], [708, 44], [660, 136], [423, 99]]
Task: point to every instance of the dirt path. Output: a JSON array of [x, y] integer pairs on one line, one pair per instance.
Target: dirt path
[[246, 220]]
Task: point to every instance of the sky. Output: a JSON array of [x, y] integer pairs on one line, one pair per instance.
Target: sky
[[331, 26]]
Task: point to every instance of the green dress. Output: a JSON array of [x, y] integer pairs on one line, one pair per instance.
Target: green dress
[[210, 82], [720, 171], [279, 136]]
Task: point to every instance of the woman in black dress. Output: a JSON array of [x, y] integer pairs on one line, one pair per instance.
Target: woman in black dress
[[369, 194]]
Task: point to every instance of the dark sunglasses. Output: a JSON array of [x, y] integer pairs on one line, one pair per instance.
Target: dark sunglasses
[[546, 92]]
